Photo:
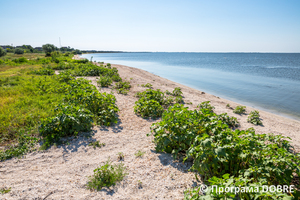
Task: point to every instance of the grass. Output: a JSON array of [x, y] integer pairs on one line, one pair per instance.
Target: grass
[[107, 175], [139, 153], [5, 190], [96, 144]]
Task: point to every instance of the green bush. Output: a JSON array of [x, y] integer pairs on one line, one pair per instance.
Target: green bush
[[102, 105], [151, 94], [2, 52], [177, 92], [124, 85], [104, 81], [43, 71], [148, 108], [116, 78], [148, 85], [253, 118], [107, 175], [68, 121], [48, 49], [206, 105], [20, 60], [19, 51], [240, 110]]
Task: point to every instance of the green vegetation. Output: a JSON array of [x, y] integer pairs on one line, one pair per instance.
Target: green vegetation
[[139, 153], [2, 52], [240, 110], [48, 49], [206, 105], [121, 156], [177, 92], [148, 85], [223, 156], [5, 190], [96, 144], [122, 87], [107, 175], [19, 51], [37, 102], [253, 118], [104, 81]]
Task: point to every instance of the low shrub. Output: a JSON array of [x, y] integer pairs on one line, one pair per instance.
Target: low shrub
[[2, 52], [177, 92], [43, 71], [107, 175], [148, 108], [151, 94], [253, 118], [148, 85], [240, 110], [19, 51], [104, 81], [206, 105], [116, 78], [123, 85], [68, 121]]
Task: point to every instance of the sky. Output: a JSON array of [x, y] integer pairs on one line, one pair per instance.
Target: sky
[[156, 25]]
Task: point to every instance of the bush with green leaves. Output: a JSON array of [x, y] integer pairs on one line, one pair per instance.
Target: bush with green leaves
[[48, 49], [19, 51], [148, 108], [240, 110], [43, 71], [206, 105], [68, 121], [20, 60], [151, 94], [104, 81], [102, 105], [107, 175], [116, 78], [177, 92], [2, 52], [122, 84], [253, 118], [259, 159], [148, 85], [179, 126]]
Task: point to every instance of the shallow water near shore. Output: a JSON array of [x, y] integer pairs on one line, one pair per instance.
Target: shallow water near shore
[[268, 81]]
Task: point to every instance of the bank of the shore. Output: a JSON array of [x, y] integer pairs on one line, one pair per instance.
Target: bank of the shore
[[61, 172]]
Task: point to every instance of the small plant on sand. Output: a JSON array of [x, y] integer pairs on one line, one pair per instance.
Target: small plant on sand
[[240, 110], [140, 184], [206, 105], [253, 118], [122, 87], [168, 92], [228, 106], [121, 156], [148, 85], [139, 153], [177, 92], [4, 190], [104, 81], [178, 99], [96, 144], [107, 175]]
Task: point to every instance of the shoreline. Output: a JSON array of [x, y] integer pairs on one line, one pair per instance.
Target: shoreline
[[272, 122], [62, 171]]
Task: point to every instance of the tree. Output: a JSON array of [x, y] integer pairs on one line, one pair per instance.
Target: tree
[[2, 52], [48, 48], [19, 51]]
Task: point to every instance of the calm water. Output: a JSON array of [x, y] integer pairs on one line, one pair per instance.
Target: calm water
[[268, 81]]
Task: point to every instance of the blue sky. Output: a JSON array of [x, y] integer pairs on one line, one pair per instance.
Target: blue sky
[[165, 25]]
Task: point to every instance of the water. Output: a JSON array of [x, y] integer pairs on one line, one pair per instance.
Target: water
[[268, 81]]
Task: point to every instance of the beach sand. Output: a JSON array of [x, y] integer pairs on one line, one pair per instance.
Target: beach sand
[[62, 172]]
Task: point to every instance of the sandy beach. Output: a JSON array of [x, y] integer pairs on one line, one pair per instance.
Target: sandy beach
[[61, 172]]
